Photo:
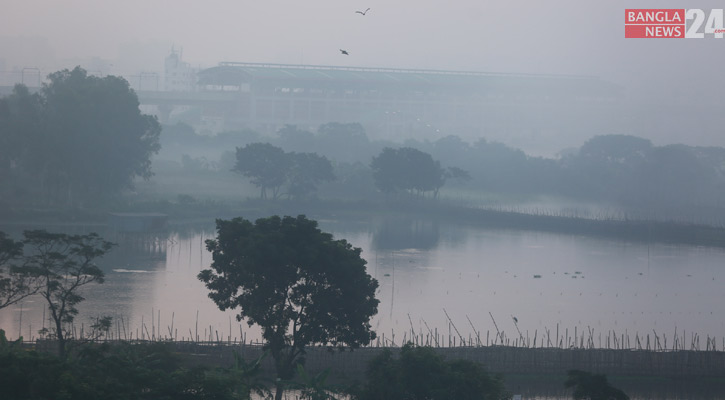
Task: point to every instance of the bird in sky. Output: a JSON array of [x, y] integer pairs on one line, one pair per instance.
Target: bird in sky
[[363, 12], [344, 52]]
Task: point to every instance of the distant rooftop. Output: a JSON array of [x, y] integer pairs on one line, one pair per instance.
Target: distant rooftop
[[241, 73]]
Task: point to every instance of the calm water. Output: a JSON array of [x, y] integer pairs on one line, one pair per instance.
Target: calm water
[[425, 269]]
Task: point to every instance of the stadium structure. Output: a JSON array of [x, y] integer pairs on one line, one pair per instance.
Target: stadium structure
[[392, 103]]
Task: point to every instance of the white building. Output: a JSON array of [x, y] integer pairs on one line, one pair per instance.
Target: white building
[[179, 76]]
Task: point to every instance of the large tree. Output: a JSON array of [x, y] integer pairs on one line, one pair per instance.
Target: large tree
[[608, 166], [308, 170], [270, 167], [407, 170], [63, 264], [265, 165], [83, 137], [294, 281]]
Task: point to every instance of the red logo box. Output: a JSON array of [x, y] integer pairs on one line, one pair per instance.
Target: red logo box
[[654, 31], [654, 23]]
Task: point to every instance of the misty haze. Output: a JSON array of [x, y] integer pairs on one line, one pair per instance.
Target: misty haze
[[230, 187]]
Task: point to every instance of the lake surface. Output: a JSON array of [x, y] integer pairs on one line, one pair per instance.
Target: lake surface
[[482, 279]]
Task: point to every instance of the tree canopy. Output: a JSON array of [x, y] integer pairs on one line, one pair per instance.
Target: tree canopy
[[308, 170], [588, 386], [63, 264], [294, 281], [421, 374], [270, 167], [265, 165], [407, 169], [120, 371], [81, 137]]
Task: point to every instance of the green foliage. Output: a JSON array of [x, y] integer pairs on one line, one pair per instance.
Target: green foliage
[[308, 169], [16, 280], [407, 169], [294, 281], [631, 171], [269, 167], [616, 149], [421, 374], [5, 344], [609, 165], [352, 182], [63, 264], [588, 386], [120, 371], [315, 387], [616, 169], [245, 375], [80, 138], [265, 165], [457, 173], [295, 139], [28, 374]]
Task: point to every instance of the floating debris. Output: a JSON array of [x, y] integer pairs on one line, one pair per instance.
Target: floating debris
[[537, 276]]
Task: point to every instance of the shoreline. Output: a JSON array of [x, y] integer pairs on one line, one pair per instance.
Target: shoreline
[[636, 230]]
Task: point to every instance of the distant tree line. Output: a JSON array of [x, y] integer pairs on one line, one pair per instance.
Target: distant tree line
[[619, 170], [80, 139]]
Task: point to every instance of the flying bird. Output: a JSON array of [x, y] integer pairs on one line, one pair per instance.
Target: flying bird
[[344, 52], [363, 12]]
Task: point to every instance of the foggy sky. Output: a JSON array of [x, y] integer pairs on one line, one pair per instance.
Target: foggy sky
[[560, 37]]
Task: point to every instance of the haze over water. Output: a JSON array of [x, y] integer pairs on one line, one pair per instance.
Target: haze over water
[[602, 286]]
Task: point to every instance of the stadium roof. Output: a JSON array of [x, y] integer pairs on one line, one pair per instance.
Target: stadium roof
[[237, 74]]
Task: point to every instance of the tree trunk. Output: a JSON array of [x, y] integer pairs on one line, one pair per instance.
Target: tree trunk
[[285, 364], [60, 337]]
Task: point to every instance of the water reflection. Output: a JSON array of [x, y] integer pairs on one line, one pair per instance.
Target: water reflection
[[557, 286], [135, 251], [397, 233]]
